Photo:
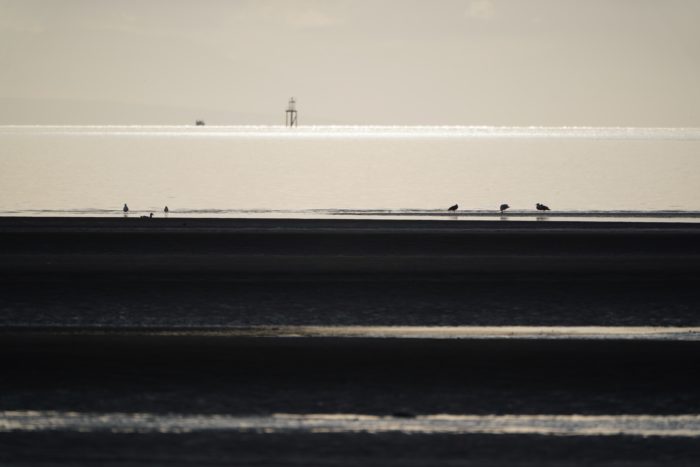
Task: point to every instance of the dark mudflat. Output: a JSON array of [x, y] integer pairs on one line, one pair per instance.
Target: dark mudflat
[[266, 249], [342, 450], [344, 303], [78, 296], [190, 374], [205, 374]]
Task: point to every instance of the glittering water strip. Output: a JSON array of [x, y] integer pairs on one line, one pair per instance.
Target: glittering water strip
[[359, 131]]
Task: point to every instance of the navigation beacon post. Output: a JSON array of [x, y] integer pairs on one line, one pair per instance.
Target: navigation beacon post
[[291, 115]]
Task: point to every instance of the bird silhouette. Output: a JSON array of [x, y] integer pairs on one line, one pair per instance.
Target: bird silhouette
[[542, 207], [503, 207], [125, 208], [453, 208], [166, 210]]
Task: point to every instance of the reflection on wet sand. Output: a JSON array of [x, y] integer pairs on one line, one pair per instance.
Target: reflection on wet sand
[[560, 425], [421, 332]]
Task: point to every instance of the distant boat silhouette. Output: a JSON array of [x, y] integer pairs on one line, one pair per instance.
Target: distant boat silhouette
[[453, 208], [504, 207], [542, 207], [125, 208], [166, 210]]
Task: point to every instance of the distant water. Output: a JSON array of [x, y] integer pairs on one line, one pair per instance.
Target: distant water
[[343, 132], [389, 172]]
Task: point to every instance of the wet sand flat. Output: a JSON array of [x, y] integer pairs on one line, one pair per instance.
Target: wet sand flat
[[144, 341], [293, 449], [104, 371], [76, 392], [192, 304], [262, 249]]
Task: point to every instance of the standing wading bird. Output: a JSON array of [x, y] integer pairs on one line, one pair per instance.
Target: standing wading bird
[[453, 208], [504, 207], [542, 207]]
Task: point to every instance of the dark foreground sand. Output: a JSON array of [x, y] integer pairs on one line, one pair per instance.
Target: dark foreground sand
[[255, 249], [194, 375], [78, 296], [247, 449]]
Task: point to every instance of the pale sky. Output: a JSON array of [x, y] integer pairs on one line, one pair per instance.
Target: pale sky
[[460, 62]]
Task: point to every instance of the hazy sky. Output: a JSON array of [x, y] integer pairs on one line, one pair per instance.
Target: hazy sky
[[472, 62]]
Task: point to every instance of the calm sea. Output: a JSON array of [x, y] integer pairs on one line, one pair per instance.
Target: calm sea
[[417, 172]]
